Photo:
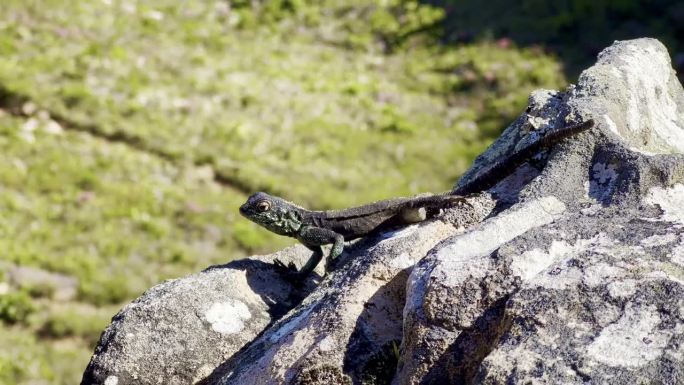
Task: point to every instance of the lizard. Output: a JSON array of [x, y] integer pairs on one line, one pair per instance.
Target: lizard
[[316, 228]]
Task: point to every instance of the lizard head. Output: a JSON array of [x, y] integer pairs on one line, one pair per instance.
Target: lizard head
[[273, 213]]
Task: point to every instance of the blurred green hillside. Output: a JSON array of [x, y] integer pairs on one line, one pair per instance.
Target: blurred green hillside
[[130, 132]]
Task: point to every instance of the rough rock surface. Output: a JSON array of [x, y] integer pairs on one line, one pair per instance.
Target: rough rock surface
[[581, 279], [571, 270], [179, 331]]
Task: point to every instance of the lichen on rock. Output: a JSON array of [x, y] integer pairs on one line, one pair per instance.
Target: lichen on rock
[[595, 294]]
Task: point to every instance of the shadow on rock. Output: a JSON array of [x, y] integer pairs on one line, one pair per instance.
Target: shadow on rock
[[372, 353], [459, 365], [263, 277]]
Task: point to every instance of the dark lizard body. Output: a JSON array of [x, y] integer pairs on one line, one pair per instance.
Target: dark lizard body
[[317, 228], [359, 221]]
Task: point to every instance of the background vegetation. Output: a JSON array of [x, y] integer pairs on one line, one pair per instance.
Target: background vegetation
[[131, 131], [576, 30]]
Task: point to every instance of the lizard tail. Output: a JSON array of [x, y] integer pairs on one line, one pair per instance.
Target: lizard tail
[[556, 136], [505, 167], [437, 200], [419, 208]]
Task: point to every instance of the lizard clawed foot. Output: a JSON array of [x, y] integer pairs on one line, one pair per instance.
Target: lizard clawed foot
[[331, 264]]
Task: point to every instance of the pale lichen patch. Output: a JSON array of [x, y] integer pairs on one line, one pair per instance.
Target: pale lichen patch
[[228, 317], [327, 344], [562, 274], [559, 278], [497, 231], [111, 380], [604, 172], [593, 209], [530, 263], [670, 200], [599, 273], [678, 255], [658, 240], [632, 341], [537, 121], [403, 261], [534, 261], [611, 124], [622, 289]]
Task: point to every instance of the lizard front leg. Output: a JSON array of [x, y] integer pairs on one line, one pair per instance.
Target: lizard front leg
[[313, 237]]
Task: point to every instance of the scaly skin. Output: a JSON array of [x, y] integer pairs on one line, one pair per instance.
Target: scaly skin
[[316, 228]]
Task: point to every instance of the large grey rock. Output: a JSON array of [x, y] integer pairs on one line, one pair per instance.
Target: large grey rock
[[570, 270], [179, 331], [581, 279], [606, 307]]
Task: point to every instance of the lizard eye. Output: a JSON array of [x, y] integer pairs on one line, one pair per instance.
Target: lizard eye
[[263, 206]]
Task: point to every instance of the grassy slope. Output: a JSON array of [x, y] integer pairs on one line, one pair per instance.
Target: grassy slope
[[130, 133]]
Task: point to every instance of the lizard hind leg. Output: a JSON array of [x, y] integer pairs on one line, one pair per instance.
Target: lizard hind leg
[[429, 206], [413, 214]]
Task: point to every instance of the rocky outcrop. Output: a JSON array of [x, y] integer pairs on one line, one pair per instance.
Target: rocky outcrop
[[179, 331], [581, 278], [570, 270]]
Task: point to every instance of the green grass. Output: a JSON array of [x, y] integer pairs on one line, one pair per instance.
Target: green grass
[[281, 113], [117, 219], [26, 359], [130, 132]]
